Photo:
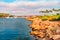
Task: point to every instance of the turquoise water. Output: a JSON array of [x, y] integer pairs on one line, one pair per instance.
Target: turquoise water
[[14, 29]]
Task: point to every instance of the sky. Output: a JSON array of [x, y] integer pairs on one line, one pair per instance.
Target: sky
[[27, 7]]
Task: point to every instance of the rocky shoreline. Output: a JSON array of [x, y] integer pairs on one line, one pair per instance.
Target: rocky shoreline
[[47, 30]]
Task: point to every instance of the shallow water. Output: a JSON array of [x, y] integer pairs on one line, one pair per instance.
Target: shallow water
[[14, 29]]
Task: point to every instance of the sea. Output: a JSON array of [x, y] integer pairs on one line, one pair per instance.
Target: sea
[[15, 29]]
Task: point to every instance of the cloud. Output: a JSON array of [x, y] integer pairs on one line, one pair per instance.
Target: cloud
[[24, 7]]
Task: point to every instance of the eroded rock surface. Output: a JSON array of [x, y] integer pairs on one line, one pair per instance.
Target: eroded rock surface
[[47, 30]]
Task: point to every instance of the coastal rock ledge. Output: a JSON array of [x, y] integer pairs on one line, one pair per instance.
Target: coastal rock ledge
[[47, 30]]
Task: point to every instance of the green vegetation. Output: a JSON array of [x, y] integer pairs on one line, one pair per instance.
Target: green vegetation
[[52, 17], [4, 14], [44, 17], [11, 16]]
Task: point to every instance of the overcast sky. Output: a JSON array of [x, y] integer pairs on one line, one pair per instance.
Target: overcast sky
[[27, 7]]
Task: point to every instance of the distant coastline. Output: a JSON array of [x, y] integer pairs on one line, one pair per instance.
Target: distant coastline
[[44, 12], [6, 15]]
